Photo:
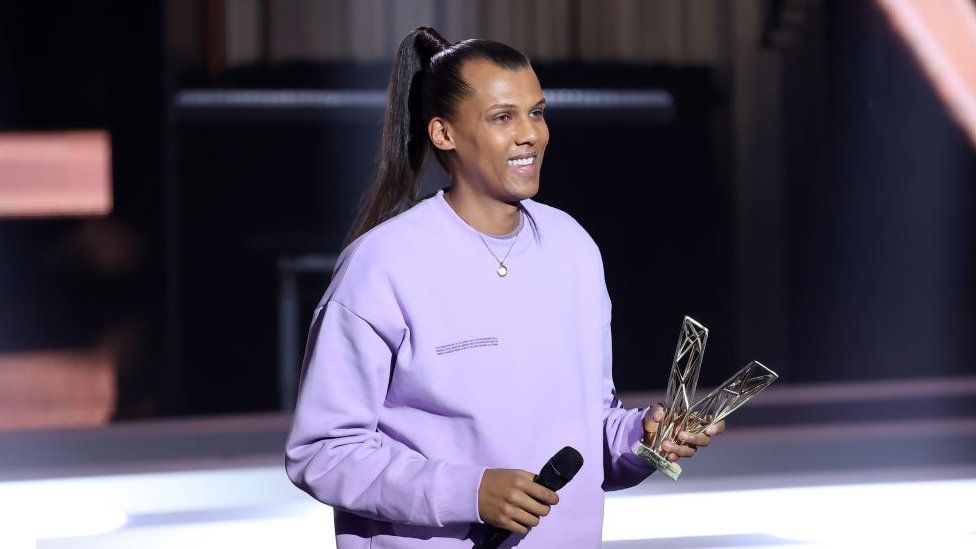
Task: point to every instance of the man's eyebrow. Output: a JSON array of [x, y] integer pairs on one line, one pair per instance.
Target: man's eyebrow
[[513, 106]]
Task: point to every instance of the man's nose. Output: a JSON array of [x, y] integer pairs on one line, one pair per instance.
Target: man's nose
[[527, 134]]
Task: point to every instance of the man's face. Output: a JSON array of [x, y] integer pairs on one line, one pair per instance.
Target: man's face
[[499, 132]]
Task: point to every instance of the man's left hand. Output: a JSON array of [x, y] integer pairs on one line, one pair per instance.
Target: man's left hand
[[689, 442]]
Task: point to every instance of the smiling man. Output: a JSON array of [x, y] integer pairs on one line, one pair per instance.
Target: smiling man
[[465, 337], [499, 137]]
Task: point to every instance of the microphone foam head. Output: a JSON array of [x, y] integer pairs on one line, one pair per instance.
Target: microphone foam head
[[567, 462]]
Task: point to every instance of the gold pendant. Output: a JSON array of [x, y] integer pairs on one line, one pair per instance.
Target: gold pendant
[[502, 270]]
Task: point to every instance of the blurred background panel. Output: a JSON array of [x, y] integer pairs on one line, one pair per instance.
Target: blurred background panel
[[82, 269], [55, 174], [793, 174]]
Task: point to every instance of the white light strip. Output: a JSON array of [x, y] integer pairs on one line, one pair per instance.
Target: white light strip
[[866, 515], [29, 517], [224, 508], [312, 529]]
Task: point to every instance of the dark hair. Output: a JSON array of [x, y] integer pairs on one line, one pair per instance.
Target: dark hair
[[425, 82]]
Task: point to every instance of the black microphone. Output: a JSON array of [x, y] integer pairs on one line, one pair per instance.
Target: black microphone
[[559, 470]]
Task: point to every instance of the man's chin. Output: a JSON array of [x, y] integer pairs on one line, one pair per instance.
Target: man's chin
[[523, 190]]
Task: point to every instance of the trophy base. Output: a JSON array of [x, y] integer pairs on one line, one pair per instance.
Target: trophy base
[[671, 470]]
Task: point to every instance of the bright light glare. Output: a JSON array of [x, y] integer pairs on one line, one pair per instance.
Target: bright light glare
[[866, 515], [311, 529], [225, 508], [32, 516], [56, 508], [943, 37], [95, 511]]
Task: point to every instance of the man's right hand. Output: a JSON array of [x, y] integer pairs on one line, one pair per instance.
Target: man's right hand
[[509, 499]]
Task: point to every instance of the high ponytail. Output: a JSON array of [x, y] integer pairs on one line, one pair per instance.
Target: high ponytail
[[425, 82]]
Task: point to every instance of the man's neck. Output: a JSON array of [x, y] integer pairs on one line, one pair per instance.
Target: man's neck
[[486, 215]]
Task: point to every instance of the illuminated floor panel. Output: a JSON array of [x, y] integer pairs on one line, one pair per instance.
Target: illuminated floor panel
[[258, 507], [880, 464]]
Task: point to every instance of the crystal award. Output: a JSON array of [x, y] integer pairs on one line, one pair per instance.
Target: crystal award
[[679, 412]]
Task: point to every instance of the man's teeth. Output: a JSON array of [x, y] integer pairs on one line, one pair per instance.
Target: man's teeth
[[522, 161]]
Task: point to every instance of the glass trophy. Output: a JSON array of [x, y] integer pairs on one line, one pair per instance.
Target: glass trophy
[[680, 414], [729, 396]]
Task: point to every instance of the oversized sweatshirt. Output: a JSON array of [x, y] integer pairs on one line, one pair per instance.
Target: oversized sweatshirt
[[424, 367]]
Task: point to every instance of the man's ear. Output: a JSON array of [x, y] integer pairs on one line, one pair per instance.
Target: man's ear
[[440, 134]]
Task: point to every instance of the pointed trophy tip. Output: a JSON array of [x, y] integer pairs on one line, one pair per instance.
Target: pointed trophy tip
[[764, 367], [694, 323]]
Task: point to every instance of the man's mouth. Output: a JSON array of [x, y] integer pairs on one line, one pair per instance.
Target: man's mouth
[[524, 160]]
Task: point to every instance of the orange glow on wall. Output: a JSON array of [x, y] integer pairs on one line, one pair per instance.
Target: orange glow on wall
[[62, 388], [942, 35], [44, 174]]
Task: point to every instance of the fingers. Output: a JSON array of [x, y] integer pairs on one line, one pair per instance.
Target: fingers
[[690, 442], [716, 429], [702, 439], [677, 450], [525, 475], [694, 439], [657, 413], [541, 493], [525, 518], [518, 523], [530, 505], [687, 444], [510, 499], [652, 418]]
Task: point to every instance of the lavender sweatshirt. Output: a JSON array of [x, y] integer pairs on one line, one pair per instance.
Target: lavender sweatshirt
[[423, 368]]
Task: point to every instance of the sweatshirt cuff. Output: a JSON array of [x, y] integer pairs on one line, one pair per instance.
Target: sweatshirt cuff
[[458, 494], [632, 434]]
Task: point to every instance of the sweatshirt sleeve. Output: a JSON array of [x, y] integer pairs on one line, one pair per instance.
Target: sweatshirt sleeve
[[335, 452], [622, 427]]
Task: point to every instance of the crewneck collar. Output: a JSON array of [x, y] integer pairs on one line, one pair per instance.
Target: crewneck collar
[[524, 229], [509, 236]]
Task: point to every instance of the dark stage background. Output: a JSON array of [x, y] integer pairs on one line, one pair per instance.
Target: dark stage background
[[803, 191], [177, 176]]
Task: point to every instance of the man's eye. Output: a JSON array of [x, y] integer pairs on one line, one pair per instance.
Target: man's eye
[[539, 112], [502, 117]]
